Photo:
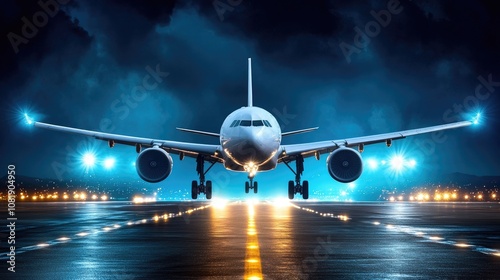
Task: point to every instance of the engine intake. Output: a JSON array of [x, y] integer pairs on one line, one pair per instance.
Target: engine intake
[[154, 165], [344, 164]]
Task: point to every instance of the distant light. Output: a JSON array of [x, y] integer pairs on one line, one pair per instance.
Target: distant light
[[411, 163], [88, 159], [109, 163], [104, 197], [94, 197], [372, 163], [435, 238], [392, 198], [397, 162]]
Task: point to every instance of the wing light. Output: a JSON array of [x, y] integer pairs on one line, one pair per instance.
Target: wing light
[[476, 118], [28, 119]]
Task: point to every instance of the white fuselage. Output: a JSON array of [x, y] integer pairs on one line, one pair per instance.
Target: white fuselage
[[250, 138]]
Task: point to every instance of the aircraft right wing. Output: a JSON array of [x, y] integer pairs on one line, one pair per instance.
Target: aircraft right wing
[[315, 148]]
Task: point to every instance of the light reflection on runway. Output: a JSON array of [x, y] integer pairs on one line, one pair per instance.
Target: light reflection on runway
[[258, 240]]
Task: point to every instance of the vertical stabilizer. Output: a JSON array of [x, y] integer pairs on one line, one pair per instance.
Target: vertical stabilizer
[[250, 98]]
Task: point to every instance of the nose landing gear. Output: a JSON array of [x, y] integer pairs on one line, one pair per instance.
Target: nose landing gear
[[251, 184]]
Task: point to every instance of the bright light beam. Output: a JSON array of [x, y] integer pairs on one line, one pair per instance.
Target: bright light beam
[[411, 163], [397, 162], [476, 118], [372, 163], [109, 163], [28, 119], [88, 160]]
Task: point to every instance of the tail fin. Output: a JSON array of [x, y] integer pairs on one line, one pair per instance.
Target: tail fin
[[250, 97]]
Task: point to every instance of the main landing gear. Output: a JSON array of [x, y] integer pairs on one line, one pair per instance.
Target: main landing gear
[[296, 187], [250, 184], [202, 187]]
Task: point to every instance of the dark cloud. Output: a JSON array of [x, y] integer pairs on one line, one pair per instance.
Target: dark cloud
[[82, 66]]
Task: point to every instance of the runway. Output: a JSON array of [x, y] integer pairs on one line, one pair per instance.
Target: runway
[[254, 240]]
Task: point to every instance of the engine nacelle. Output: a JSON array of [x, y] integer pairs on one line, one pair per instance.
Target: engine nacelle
[[345, 164], [154, 165]]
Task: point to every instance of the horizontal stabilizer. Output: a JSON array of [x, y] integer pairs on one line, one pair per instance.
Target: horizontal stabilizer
[[298, 131], [199, 132]]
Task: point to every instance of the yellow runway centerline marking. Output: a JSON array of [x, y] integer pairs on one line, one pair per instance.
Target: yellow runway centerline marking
[[253, 267]]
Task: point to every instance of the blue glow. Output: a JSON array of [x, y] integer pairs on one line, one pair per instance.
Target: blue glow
[[476, 118], [28, 119], [372, 163], [109, 163], [88, 160], [397, 162]]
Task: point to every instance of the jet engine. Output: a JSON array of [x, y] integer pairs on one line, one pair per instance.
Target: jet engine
[[344, 164], [154, 165]]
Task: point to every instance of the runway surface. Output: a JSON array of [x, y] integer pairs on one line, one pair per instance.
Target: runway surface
[[269, 240]]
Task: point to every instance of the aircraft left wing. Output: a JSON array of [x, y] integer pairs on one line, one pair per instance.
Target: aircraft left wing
[[315, 148], [186, 148]]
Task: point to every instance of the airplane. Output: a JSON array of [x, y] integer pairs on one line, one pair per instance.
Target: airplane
[[250, 141]]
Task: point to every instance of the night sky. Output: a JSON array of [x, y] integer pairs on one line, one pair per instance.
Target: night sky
[[429, 63]]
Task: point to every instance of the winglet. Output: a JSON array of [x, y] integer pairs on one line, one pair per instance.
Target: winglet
[[250, 98], [28, 119], [476, 119]]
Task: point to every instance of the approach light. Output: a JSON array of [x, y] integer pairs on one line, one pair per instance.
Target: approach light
[[109, 163], [88, 159]]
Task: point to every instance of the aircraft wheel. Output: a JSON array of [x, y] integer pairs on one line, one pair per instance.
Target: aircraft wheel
[[208, 191], [291, 189], [305, 189], [255, 185], [247, 187], [194, 189]]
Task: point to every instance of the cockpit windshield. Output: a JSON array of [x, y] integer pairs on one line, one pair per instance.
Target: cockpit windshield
[[236, 123]]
